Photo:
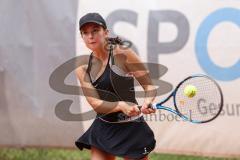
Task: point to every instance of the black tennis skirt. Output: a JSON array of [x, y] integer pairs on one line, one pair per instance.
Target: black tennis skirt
[[132, 140]]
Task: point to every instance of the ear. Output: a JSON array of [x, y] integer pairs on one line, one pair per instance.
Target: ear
[[80, 32], [106, 32]]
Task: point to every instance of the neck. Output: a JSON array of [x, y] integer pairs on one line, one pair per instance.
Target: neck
[[101, 53]]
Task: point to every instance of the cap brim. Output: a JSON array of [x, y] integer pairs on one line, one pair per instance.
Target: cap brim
[[99, 23]]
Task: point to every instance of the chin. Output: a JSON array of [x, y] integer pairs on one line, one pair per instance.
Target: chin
[[93, 46]]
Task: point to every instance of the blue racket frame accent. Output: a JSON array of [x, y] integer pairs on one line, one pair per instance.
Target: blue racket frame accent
[[158, 106], [176, 111]]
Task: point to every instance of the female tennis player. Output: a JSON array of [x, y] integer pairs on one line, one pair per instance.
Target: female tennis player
[[130, 140]]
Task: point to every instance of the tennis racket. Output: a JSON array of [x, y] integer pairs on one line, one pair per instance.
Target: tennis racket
[[203, 107]]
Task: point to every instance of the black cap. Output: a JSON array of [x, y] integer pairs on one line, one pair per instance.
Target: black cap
[[92, 17]]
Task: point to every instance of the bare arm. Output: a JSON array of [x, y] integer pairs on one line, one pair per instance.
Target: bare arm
[[91, 94], [139, 71]]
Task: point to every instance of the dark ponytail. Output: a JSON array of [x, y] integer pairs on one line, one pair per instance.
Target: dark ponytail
[[123, 44], [115, 40]]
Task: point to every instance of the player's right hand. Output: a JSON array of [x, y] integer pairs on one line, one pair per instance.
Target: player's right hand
[[130, 109]]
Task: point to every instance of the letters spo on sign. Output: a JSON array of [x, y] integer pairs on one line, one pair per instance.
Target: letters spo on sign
[[155, 48]]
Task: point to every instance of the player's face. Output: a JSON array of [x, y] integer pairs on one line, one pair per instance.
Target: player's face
[[93, 35]]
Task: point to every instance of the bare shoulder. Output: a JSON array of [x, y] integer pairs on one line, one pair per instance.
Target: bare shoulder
[[126, 54], [81, 70]]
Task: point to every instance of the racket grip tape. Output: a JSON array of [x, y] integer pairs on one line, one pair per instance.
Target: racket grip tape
[[149, 106]]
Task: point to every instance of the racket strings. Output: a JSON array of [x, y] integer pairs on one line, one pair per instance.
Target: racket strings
[[206, 103]]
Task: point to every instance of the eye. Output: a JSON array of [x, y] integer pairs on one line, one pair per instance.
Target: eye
[[95, 30], [84, 32]]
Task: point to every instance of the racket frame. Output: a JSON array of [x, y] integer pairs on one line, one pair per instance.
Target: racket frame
[[177, 112]]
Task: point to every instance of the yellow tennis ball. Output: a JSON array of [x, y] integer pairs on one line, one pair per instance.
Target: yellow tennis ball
[[190, 91]]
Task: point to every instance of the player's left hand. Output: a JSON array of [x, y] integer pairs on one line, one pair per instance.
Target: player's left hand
[[146, 110]]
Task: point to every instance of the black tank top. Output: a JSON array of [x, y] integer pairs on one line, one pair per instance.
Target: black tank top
[[111, 86]]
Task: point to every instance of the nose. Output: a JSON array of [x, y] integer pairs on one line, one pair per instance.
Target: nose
[[90, 35]]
